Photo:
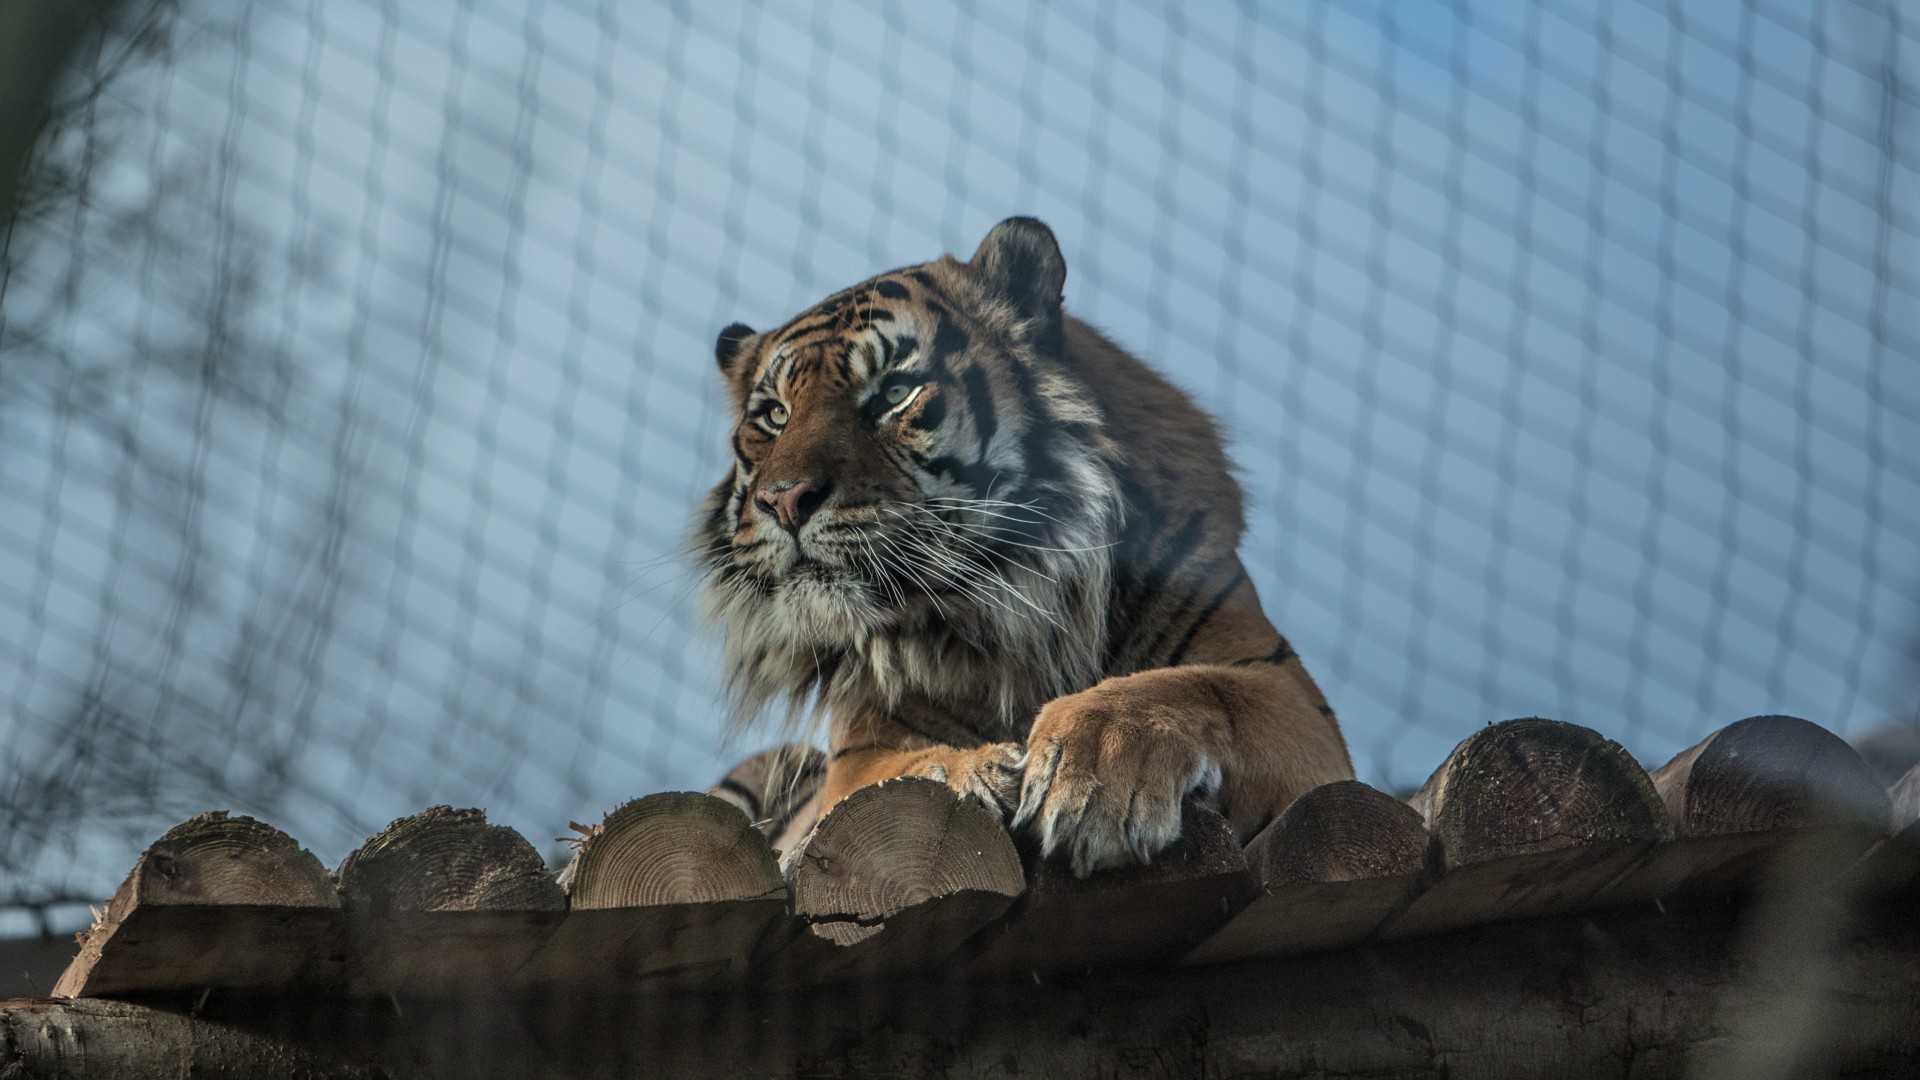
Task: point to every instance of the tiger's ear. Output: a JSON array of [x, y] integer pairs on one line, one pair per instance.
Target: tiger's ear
[[728, 348], [1020, 262]]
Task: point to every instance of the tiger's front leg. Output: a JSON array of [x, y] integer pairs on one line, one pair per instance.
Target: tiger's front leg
[[1107, 768], [990, 772]]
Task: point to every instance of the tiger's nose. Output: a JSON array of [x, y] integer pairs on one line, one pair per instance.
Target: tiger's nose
[[793, 503]]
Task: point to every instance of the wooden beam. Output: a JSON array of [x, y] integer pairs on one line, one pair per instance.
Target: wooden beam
[[1146, 914], [896, 876], [1525, 818], [1624, 995], [216, 901], [1748, 792], [1332, 867], [442, 899], [676, 890]]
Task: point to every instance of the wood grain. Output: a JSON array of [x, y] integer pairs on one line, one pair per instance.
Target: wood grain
[[896, 876], [1526, 818], [218, 900], [1332, 867], [675, 890], [1745, 795]]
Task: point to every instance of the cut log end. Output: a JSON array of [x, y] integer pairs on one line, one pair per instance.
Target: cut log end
[[210, 860], [443, 859], [678, 847], [1770, 772], [898, 843], [1343, 831], [1529, 786], [215, 858]]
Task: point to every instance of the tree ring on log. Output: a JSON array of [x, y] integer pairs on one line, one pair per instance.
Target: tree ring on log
[[443, 859], [891, 845], [1528, 786], [678, 847]]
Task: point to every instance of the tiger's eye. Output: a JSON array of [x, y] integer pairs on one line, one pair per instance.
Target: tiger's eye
[[777, 416], [897, 393]]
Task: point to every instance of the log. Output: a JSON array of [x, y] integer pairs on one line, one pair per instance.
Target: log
[[1140, 915], [1767, 773], [676, 890], [1892, 866], [1528, 817], [1332, 867], [895, 877], [89, 1039], [216, 901], [1744, 794], [443, 859], [1628, 993], [442, 900]]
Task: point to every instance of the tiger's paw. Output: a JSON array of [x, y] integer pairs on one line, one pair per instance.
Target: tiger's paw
[[990, 773], [1105, 779]]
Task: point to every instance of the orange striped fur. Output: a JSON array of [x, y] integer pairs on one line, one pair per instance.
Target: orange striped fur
[[991, 547]]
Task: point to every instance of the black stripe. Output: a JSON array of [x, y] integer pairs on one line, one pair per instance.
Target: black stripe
[[745, 792], [1174, 552], [1139, 586], [986, 420], [1213, 607], [977, 477], [892, 290], [948, 340], [1281, 653]]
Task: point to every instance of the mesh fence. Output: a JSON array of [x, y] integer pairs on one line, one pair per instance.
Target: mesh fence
[[356, 391]]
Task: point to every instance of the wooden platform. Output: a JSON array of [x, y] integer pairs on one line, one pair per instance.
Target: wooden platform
[[1531, 831]]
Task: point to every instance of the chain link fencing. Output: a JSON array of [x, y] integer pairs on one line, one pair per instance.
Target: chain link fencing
[[356, 386]]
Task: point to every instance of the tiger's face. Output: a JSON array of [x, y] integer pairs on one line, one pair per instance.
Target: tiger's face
[[914, 472]]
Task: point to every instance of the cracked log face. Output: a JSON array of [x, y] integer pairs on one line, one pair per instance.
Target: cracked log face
[[443, 859], [898, 845], [678, 847]]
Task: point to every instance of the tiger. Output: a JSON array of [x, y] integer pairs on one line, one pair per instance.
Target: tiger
[[988, 546]]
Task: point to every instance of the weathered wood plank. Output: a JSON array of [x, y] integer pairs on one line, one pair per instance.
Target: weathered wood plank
[[216, 901], [1743, 794], [443, 901], [1332, 867], [1141, 915], [1525, 818], [896, 877], [1623, 994], [672, 890]]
